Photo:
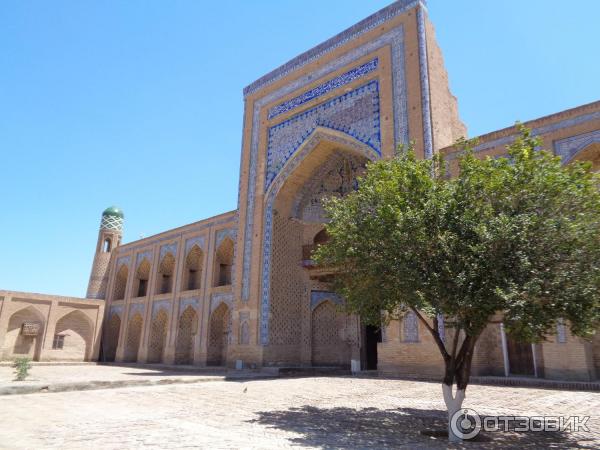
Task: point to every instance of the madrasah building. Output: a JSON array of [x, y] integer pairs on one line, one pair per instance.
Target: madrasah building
[[240, 289]]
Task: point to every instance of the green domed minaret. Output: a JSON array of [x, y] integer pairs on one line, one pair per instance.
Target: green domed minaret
[[112, 219], [109, 237]]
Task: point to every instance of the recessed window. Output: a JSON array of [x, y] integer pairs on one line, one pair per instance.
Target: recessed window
[[59, 342], [142, 288], [107, 245]]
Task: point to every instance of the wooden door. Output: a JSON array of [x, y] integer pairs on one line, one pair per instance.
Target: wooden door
[[520, 358]]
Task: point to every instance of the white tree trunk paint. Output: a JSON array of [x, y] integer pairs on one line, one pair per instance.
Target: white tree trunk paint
[[453, 404]]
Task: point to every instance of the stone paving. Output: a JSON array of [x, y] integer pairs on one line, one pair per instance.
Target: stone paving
[[58, 373], [65, 377], [342, 412]]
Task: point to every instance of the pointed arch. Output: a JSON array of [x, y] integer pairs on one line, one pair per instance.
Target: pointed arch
[[111, 337], [219, 330], [24, 334], [280, 197], [166, 269], [142, 275], [186, 331], [134, 334], [192, 271], [591, 153], [121, 282], [327, 341], [74, 331], [158, 336], [223, 263]]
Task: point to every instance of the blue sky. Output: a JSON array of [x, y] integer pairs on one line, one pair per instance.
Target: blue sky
[[139, 104]]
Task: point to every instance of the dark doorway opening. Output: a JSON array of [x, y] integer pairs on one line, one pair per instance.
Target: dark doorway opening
[[520, 358], [372, 338]]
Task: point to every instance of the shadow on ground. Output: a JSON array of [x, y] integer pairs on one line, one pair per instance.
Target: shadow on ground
[[397, 428]]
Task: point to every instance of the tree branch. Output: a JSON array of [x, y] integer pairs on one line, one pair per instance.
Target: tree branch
[[435, 334]]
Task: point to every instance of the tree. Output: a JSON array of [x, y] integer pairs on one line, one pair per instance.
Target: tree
[[513, 239]]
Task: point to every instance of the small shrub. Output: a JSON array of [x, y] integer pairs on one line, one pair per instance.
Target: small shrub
[[22, 366]]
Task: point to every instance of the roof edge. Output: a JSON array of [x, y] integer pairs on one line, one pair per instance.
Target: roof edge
[[381, 16]]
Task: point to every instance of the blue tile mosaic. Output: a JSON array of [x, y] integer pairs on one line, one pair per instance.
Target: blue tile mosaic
[[168, 248], [324, 88], [318, 297], [568, 148], [356, 113]]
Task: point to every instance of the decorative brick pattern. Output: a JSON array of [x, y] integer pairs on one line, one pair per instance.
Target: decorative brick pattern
[[134, 334], [158, 336], [187, 329], [218, 335], [329, 344]]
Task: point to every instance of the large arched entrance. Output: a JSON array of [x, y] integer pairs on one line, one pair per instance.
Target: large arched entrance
[[327, 165], [218, 335]]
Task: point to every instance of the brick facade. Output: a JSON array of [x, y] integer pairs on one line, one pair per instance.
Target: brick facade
[[240, 287]]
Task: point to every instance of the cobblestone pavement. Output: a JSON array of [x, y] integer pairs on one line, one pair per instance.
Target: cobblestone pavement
[[339, 412]]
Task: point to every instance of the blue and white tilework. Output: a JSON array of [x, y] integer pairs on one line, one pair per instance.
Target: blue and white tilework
[[199, 241], [424, 75], [539, 131], [194, 302], [123, 261], [441, 327], [221, 297], [569, 147], [362, 27], [410, 327], [161, 304], [561, 332], [136, 308], [227, 232], [168, 248], [147, 255], [318, 297], [393, 38], [116, 309], [355, 113], [324, 88]]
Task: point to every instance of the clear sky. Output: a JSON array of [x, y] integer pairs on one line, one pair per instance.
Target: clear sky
[[139, 104]]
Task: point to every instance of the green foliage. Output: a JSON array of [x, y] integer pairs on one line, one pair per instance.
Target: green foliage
[[516, 236], [22, 366]]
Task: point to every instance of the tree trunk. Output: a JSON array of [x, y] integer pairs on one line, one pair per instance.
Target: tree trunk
[[453, 404], [461, 374]]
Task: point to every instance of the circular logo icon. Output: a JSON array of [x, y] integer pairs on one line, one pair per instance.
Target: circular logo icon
[[465, 423]]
